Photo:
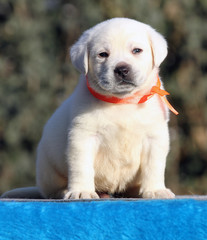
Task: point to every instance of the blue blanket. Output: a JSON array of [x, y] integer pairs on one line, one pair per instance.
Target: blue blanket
[[179, 219]]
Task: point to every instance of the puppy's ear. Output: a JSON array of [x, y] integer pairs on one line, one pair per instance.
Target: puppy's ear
[[158, 46], [79, 53]]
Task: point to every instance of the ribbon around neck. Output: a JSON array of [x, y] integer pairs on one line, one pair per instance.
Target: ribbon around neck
[[154, 90]]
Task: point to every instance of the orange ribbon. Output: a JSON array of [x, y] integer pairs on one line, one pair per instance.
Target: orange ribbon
[[162, 93], [154, 90]]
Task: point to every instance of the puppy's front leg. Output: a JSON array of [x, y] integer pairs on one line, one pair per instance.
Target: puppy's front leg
[[81, 152], [153, 165]]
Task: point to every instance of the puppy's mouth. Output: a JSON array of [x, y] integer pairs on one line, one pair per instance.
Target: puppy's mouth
[[125, 82], [120, 87]]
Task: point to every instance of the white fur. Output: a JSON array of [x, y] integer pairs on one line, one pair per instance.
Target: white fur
[[91, 146]]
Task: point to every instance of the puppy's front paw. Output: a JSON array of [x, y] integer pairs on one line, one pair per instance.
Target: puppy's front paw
[[161, 193], [81, 195]]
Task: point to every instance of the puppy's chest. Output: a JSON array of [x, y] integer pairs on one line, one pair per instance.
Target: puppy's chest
[[118, 158], [121, 127], [120, 139], [120, 133]]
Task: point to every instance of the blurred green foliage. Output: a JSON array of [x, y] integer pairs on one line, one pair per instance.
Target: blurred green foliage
[[36, 76]]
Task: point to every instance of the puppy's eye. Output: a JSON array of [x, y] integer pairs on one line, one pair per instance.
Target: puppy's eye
[[137, 50], [103, 55]]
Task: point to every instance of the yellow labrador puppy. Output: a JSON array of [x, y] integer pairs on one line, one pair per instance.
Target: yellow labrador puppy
[[111, 135]]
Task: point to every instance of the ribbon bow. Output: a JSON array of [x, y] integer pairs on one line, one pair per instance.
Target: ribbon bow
[[162, 93]]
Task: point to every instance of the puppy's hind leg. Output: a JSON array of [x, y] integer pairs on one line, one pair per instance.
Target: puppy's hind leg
[[27, 192], [51, 182]]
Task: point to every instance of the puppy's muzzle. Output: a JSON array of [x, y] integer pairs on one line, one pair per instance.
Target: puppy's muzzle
[[123, 73]]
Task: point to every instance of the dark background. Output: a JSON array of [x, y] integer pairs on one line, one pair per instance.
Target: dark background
[[36, 75]]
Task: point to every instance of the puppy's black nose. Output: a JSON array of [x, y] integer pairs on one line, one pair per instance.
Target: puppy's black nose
[[122, 71]]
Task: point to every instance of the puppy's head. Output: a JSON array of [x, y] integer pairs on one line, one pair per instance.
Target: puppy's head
[[118, 55]]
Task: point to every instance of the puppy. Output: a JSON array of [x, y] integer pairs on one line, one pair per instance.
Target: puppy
[[105, 139]]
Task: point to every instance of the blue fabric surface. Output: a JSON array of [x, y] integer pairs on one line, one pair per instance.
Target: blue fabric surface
[[145, 219]]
